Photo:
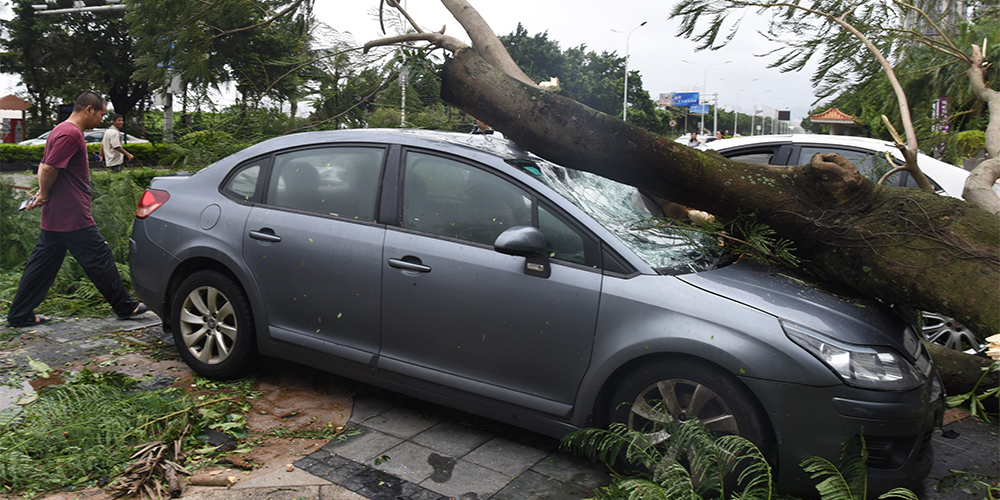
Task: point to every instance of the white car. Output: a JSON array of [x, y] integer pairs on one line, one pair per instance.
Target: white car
[[92, 136], [866, 154], [869, 155]]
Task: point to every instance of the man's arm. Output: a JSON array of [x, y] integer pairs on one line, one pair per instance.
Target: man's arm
[[47, 176], [126, 153], [116, 143]]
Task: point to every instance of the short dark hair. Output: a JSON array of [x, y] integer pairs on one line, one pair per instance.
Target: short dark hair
[[89, 98], [117, 116]]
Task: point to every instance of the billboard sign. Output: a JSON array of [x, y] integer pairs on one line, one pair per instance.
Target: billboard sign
[[679, 99], [700, 109]]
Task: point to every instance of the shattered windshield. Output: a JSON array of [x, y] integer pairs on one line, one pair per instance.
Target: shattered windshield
[[626, 213]]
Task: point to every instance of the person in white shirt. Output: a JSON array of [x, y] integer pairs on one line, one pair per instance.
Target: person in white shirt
[[112, 152]]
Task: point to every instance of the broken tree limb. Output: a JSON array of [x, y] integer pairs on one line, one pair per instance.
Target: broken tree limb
[[905, 246], [979, 185], [210, 480], [173, 482]]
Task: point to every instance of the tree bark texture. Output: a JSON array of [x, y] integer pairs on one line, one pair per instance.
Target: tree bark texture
[[960, 372], [905, 246]]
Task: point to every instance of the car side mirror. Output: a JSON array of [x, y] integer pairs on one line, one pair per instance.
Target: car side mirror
[[528, 242]]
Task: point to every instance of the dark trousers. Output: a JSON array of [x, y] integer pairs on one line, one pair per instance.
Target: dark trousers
[[89, 249]]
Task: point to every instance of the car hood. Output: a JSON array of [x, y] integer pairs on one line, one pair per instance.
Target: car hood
[[848, 318]]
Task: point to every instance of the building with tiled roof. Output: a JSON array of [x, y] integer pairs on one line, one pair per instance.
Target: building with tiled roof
[[840, 123]]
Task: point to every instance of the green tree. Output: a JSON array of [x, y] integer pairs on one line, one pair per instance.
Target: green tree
[[257, 44], [59, 56], [590, 78]]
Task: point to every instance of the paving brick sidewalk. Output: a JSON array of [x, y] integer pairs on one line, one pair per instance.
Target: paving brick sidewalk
[[421, 452]]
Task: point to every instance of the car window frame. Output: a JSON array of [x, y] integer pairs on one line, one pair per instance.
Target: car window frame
[[262, 178], [780, 156], [594, 246]]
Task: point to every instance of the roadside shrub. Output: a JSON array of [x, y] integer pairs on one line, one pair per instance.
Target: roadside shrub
[[202, 148], [146, 154], [18, 230], [12, 153]]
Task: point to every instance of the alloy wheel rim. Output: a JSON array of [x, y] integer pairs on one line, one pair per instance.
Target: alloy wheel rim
[[945, 331], [208, 325], [669, 403]]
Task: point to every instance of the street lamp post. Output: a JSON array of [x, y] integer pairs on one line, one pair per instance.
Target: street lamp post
[[704, 88], [625, 93], [736, 114], [753, 114]]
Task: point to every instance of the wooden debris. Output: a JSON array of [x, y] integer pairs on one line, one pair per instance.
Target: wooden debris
[[210, 480], [238, 462], [146, 476]]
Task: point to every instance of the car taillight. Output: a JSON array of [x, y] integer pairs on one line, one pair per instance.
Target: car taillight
[[150, 201]]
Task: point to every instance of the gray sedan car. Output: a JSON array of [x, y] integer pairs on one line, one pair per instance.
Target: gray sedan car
[[466, 271]]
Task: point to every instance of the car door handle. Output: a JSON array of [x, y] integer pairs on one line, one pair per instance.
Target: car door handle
[[265, 235], [409, 266]]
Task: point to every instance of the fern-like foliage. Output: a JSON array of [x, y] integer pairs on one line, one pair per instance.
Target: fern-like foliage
[[78, 432], [850, 480], [744, 236], [690, 464]]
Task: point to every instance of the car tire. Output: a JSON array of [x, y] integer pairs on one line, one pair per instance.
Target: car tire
[[723, 404], [213, 326]]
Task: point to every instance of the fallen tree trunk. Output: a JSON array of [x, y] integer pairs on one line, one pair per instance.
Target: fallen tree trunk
[[905, 246], [960, 372]]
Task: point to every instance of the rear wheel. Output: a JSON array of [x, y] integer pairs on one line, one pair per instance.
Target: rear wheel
[[670, 392], [213, 326]]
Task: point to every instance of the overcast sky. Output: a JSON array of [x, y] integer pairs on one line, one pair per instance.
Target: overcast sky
[[654, 49]]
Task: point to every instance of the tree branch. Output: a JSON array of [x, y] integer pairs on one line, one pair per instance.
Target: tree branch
[[484, 40], [294, 5], [395, 4], [979, 186], [437, 39]]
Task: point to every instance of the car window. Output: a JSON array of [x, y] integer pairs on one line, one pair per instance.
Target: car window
[[449, 198], [243, 182], [562, 241], [339, 181], [871, 164], [758, 156]]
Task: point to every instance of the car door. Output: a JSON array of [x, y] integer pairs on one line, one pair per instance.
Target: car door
[[315, 251], [460, 314]]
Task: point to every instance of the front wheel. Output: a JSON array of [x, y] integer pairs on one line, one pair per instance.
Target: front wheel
[[658, 395], [213, 326]]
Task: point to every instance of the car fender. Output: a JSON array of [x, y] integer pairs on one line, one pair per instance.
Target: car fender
[[655, 317]]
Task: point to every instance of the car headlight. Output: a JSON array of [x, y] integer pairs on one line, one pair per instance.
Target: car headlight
[[867, 367]]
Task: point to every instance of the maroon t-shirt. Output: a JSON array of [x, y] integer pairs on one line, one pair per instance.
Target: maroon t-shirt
[[68, 208]]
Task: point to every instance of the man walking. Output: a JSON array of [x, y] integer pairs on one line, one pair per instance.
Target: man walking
[[64, 195], [112, 150]]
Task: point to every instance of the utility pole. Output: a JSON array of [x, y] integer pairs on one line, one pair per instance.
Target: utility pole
[[625, 93]]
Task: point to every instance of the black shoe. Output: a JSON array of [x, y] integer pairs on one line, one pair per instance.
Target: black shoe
[[141, 308], [39, 320]]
